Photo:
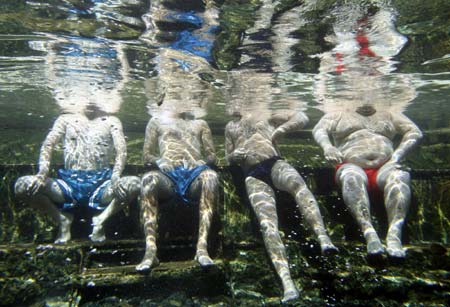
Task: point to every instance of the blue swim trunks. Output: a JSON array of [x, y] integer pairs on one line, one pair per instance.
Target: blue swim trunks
[[83, 187], [182, 179]]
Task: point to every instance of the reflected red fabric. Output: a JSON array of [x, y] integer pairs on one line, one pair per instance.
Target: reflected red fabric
[[363, 42], [371, 176], [364, 49]]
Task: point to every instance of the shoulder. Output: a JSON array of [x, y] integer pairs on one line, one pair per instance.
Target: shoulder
[[202, 123], [154, 121], [65, 119], [330, 116], [111, 119], [153, 124]]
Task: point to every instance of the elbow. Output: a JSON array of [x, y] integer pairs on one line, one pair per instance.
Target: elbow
[[419, 135]]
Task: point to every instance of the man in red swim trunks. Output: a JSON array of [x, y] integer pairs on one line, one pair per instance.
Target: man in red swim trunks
[[362, 148]]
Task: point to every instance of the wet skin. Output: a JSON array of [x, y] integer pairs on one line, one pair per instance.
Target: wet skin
[[363, 139], [250, 140], [177, 140], [90, 141]]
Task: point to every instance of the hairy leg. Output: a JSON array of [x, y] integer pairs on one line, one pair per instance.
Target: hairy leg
[[353, 181], [130, 184], [397, 197], [154, 185], [286, 178], [206, 184], [262, 199], [45, 200]]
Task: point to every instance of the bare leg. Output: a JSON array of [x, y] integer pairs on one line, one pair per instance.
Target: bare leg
[[208, 183], [353, 181], [262, 199], [44, 200], [131, 184], [286, 178], [397, 196], [153, 184]]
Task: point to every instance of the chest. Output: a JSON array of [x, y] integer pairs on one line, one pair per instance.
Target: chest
[[248, 128], [87, 131], [181, 129], [377, 124]]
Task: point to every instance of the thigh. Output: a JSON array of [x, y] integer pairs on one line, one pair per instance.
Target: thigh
[[208, 179], [392, 172], [286, 178], [159, 184], [261, 197], [130, 184], [51, 189], [350, 172]]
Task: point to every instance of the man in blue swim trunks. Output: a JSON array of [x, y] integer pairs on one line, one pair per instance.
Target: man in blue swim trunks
[[92, 138], [250, 142], [180, 169]]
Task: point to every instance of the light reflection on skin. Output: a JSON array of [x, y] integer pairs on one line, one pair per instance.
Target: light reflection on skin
[[176, 138], [251, 142], [81, 74], [363, 107]]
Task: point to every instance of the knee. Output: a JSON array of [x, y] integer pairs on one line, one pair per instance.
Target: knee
[[396, 177], [131, 184], [21, 187], [267, 226], [353, 182], [295, 183], [149, 182], [403, 176]]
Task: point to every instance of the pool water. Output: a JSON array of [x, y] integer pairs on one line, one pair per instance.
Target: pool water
[[137, 59]]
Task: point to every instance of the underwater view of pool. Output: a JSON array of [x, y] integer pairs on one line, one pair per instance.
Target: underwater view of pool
[[224, 153]]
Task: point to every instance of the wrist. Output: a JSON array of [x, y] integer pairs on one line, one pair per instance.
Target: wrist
[[41, 176]]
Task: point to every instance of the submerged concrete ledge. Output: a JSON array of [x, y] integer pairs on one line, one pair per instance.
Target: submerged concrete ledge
[[85, 274]]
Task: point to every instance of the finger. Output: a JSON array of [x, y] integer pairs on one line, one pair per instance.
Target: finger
[[35, 188]]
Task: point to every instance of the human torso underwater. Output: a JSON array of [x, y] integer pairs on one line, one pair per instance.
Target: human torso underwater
[[365, 140], [88, 143], [180, 141], [255, 135]]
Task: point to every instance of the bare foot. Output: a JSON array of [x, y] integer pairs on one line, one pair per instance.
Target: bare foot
[[147, 263], [290, 294], [374, 246], [64, 234], [394, 248], [98, 232], [204, 260], [326, 246]]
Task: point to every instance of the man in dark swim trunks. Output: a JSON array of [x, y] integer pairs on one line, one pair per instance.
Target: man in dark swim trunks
[[250, 143], [180, 169]]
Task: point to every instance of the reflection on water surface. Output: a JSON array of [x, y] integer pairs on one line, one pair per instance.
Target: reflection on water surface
[[215, 60]]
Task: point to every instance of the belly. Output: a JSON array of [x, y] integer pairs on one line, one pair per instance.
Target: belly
[[366, 149], [260, 148], [88, 159], [180, 152]]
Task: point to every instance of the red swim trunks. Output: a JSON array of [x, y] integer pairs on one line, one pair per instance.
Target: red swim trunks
[[371, 177]]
